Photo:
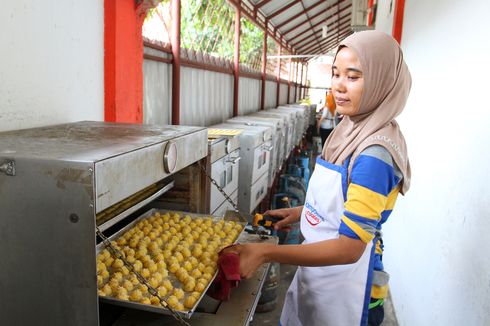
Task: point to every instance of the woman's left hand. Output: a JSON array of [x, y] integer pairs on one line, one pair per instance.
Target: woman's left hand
[[252, 256]]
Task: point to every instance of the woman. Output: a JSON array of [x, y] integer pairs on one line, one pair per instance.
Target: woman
[[327, 120], [352, 191]]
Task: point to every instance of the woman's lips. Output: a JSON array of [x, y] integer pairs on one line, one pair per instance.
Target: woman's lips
[[341, 101]]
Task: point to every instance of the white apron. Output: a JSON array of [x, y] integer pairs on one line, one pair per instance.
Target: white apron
[[331, 295]]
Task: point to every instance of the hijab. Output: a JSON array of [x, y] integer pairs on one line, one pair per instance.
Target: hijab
[[387, 84]]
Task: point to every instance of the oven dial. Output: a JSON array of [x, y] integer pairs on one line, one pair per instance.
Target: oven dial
[[170, 157], [228, 147]]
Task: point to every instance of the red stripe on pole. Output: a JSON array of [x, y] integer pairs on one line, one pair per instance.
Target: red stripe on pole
[[398, 20], [123, 61]]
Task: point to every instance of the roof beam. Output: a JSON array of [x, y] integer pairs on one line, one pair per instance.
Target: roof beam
[[333, 32], [309, 20], [297, 15], [260, 4], [331, 25], [332, 35], [314, 16], [247, 12], [327, 46], [312, 47], [286, 7]]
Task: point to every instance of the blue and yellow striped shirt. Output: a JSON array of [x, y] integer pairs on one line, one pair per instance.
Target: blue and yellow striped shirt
[[371, 196]]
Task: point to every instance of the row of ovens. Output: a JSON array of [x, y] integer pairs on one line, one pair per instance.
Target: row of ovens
[[265, 139], [61, 185]]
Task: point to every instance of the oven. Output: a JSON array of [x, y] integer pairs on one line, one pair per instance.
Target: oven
[[223, 158], [62, 185], [301, 119], [255, 155], [276, 139], [291, 123]]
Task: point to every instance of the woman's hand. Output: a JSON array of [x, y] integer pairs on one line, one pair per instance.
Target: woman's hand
[[252, 256], [287, 217]]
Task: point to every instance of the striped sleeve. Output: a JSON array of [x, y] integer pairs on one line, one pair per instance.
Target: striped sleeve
[[371, 193]]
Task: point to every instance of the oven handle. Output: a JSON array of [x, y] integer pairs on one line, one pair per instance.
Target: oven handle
[[233, 160]]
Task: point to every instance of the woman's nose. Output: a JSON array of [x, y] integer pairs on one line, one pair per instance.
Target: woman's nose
[[338, 85]]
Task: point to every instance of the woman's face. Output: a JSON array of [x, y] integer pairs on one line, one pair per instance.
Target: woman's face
[[347, 82]]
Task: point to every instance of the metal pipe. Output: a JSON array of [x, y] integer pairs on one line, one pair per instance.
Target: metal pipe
[[296, 83], [264, 66], [175, 40], [289, 81], [236, 57], [278, 75], [306, 79], [301, 83]]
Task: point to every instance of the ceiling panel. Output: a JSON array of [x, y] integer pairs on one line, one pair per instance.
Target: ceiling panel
[[287, 16]]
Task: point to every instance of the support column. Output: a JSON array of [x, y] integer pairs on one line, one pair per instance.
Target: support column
[[301, 83], [264, 67], [370, 12], [236, 56], [278, 74], [296, 83], [175, 41], [398, 20], [123, 60], [306, 80], [289, 81]]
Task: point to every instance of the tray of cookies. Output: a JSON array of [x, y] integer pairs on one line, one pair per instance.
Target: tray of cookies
[[176, 252]]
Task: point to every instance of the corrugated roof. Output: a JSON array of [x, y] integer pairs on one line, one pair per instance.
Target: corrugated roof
[[297, 24]]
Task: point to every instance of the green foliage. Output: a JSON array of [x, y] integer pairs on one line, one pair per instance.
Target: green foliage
[[207, 26], [251, 43]]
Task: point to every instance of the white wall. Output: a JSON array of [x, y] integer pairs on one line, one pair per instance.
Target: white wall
[[157, 89], [384, 16], [249, 90], [436, 242], [206, 97], [270, 94], [51, 62]]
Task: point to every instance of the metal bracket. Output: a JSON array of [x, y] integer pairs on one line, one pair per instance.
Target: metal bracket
[[267, 148], [8, 167], [233, 160]]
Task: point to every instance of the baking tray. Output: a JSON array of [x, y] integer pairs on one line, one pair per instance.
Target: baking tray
[[159, 309]]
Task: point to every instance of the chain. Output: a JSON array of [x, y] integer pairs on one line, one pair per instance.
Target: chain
[[235, 206], [118, 254]]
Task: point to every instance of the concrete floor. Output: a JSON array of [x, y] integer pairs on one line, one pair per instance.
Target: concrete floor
[[287, 273]]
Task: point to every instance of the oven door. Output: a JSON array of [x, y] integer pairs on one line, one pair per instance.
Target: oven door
[[261, 160], [225, 172]]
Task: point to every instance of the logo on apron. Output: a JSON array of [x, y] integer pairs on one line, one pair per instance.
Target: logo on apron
[[312, 216]]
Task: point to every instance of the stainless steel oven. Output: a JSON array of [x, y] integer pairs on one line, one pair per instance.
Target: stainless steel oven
[[58, 184], [224, 162], [255, 154], [276, 138]]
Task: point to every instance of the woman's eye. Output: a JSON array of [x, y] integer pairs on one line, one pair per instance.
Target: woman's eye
[[352, 77]]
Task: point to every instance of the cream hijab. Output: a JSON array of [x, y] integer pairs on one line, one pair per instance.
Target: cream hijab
[[387, 84]]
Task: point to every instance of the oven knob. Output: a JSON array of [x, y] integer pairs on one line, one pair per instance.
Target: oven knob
[[228, 146], [170, 157]]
